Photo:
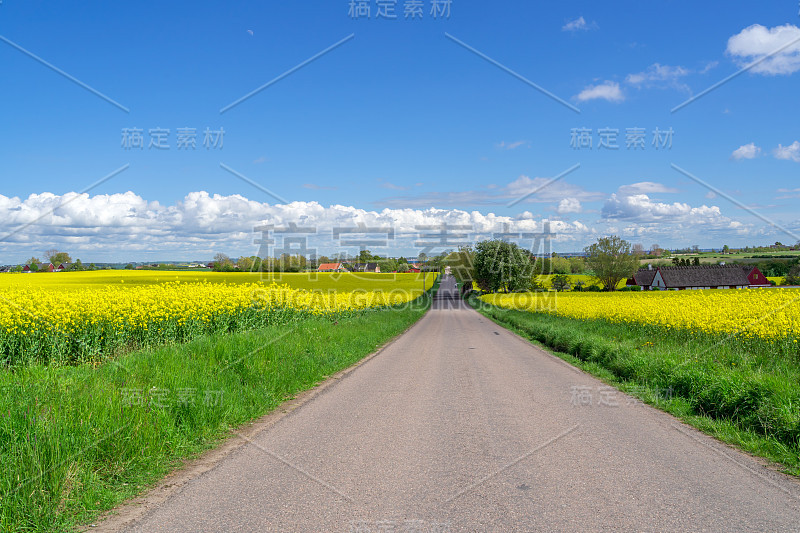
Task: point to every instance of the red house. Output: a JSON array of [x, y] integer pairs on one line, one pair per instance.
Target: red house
[[42, 268], [756, 278], [332, 267]]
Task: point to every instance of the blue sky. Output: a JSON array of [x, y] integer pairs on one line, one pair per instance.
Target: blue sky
[[399, 126]]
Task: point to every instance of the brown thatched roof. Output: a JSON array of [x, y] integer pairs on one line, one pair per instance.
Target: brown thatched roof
[[704, 276], [644, 278]]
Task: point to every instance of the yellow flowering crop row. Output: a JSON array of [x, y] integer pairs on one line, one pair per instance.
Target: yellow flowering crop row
[[763, 313], [42, 324]]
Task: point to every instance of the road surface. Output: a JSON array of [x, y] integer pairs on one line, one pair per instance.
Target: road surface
[[460, 425]]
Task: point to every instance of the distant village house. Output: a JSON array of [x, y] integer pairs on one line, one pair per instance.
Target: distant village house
[[365, 267], [332, 267], [699, 277], [42, 267]]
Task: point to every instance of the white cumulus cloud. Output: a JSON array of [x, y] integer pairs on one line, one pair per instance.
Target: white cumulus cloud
[[579, 24], [608, 90], [641, 208], [791, 152], [779, 46], [746, 151], [120, 226], [659, 76], [569, 205]]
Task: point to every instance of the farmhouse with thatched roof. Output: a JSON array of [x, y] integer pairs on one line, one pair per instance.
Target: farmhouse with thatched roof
[[699, 277]]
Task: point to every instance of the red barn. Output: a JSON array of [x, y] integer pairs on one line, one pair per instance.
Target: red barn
[[42, 268], [755, 277]]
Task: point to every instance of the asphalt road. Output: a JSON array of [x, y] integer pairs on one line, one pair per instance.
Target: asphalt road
[[460, 425]]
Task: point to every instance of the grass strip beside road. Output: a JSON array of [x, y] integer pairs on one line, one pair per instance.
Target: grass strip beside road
[[78, 440], [744, 395]]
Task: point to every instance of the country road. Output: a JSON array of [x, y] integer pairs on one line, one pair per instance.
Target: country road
[[459, 425]]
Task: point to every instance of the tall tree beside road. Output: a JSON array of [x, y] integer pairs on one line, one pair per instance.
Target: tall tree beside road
[[461, 264], [612, 260], [502, 266]]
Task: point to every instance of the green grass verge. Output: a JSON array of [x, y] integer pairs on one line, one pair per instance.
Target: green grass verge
[[78, 440], [745, 395]]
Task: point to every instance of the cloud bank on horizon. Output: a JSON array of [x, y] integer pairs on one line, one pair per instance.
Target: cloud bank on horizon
[[116, 225]]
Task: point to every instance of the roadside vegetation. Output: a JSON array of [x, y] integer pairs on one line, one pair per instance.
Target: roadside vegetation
[[743, 391], [44, 322], [725, 361], [76, 440]]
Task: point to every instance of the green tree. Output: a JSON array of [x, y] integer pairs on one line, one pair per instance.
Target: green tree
[[577, 265], [461, 264], [560, 282], [56, 257], [793, 277], [33, 263], [402, 268], [290, 263], [502, 266], [222, 263], [365, 256], [245, 263], [611, 260], [390, 265], [561, 265]]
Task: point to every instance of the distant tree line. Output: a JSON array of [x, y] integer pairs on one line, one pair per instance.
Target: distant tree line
[[501, 266], [55, 258], [300, 263]]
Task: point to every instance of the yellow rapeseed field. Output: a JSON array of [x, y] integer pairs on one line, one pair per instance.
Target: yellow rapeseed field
[[87, 315], [763, 313], [67, 281]]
